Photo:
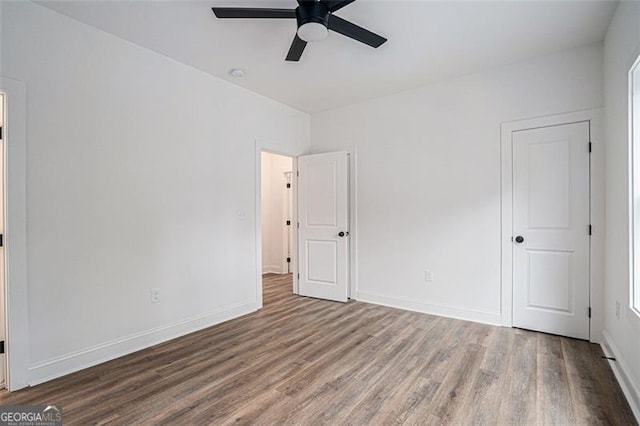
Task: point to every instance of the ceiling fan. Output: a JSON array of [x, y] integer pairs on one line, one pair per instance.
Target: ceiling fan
[[315, 18]]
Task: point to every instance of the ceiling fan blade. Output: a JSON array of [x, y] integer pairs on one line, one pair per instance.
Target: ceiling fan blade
[[355, 32], [251, 12], [334, 5], [296, 49]]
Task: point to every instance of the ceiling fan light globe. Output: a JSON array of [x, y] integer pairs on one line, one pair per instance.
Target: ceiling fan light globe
[[313, 31]]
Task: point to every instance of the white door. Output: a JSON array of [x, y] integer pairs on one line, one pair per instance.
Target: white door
[[551, 229], [323, 215]]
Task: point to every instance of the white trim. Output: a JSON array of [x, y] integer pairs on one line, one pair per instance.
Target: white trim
[[443, 310], [597, 206], [294, 223], [271, 269], [17, 312], [630, 387], [597, 197], [3, 294], [353, 223], [274, 149], [634, 240], [79, 360]]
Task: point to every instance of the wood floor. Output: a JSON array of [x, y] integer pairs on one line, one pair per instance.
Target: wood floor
[[308, 361]]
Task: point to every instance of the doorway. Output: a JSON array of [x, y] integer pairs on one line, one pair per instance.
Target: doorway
[[312, 214], [276, 217]]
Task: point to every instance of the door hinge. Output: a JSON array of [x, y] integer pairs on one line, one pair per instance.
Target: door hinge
[[1, 240], [2, 347], [288, 260], [1, 128], [590, 147], [288, 185], [288, 223], [298, 224], [589, 311], [298, 174], [298, 276], [590, 229]]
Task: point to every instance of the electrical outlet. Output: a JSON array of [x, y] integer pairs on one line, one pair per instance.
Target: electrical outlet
[[617, 309], [428, 276], [242, 214], [155, 295]]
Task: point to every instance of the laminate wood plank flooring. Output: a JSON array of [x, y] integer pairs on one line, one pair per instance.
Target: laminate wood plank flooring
[[308, 361]]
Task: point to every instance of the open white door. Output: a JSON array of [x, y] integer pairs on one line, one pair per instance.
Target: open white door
[[323, 235], [551, 229]]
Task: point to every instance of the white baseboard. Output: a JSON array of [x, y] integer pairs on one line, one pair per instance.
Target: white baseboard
[[75, 361], [457, 312], [271, 269], [621, 370]]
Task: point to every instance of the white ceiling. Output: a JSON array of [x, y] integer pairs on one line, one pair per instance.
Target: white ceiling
[[428, 41]]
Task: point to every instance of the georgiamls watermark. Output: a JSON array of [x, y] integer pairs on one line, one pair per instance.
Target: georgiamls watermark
[[30, 415]]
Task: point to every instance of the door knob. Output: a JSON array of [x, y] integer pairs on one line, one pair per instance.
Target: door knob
[[519, 239], [342, 234]]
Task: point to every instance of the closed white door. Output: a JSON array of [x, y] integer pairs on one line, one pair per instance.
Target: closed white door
[[551, 229], [323, 235]]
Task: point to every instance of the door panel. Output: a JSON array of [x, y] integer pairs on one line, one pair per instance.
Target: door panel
[[549, 180], [321, 194], [323, 213], [550, 281], [551, 214], [322, 261]]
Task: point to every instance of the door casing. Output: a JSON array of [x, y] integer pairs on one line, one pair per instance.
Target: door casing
[[596, 204]]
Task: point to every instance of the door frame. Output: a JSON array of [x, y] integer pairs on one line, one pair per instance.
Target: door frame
[[596, 205], [274, 149], [16, 301]]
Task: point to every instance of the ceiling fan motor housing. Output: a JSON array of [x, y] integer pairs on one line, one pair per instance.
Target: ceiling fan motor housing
[[312, 11]]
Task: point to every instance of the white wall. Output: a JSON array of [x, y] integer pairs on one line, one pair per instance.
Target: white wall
[[273, 211], [137, 170], [621, 47], [428, 178]]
